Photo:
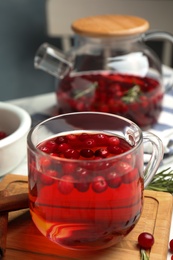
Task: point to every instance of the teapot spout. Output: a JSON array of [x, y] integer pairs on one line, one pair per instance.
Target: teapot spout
[[51, 60]]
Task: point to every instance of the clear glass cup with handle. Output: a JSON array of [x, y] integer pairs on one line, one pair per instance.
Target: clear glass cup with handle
[[87, 177]]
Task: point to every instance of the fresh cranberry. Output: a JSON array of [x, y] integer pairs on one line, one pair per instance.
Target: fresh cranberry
[[48, 177], [145, 240], [82, 185], [44, 162], [102, 152], [114, 149], [84, 136], [114, 141], [90, 142], [2, 135], [81, 173], [61, 139], [171, 245], [99, 184], [101, 139], [87, 153], [123, 167], [68, 168], [51, 145], [63, 147], [71, 154], [113, 180], [45, 149], [131, 176], [66, 185]]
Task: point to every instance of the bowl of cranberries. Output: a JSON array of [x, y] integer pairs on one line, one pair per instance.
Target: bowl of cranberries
[[15, 123]]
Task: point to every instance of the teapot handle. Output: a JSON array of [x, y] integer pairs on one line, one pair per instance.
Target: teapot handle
[[50, 59], [156, 35]]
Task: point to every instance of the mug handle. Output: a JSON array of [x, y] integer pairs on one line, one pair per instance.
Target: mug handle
[[156, 156]]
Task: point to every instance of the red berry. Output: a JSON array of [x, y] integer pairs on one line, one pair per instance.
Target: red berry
[[114, 140], [145, 240], [90, 143], [131, 176], [82, 185], [2, 135], [171, 257], [87, 153], [47, 177], [171, 245], [61, 139], [99, 184], [65, 185], [63, 147], [71, 154], [102, 152], [114, 181]]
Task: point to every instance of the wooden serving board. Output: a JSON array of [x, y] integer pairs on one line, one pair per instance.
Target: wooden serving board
[[24, 241]]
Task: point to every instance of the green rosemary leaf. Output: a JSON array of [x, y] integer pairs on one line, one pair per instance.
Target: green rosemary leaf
[[132, 94], [144, 255], [162, 181], [88, 90]]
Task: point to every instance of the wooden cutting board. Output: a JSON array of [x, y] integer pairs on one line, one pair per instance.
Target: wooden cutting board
[[24, 241]]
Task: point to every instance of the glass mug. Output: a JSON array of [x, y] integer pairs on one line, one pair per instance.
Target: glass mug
[[87, 176]]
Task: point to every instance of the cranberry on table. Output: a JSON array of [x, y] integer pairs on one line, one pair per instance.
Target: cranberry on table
[[171, 245], [145, 240]]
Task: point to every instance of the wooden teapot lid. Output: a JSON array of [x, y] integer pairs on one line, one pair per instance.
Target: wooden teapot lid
[[110, 25]]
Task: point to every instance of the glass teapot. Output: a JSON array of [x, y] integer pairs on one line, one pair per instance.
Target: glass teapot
[[110, 69]]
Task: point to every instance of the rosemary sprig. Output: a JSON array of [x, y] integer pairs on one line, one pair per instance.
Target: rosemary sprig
[[86, 91], [162, 181], [144, 255], [132, 94]]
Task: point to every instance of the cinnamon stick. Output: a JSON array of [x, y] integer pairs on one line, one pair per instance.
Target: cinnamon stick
[[14, 202], [3, 226]]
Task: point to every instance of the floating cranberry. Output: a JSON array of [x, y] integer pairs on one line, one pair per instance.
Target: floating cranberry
[[99, 184], [51, 145], [113, 180], [66, 185], [145, 240], [81, 173], [84, 136], [101, 139], [115, 141], [90, 142], [71, 154], [87, 153], [44, 162], [63, 147], [68, 168], [114, 149], [131, 176], [61, 139], [82, 185], [48, 177], [102, 152]]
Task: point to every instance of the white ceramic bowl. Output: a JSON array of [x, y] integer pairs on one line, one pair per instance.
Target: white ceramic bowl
[[16, 122]]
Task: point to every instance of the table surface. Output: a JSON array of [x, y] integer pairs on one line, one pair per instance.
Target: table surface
[[42, 106]]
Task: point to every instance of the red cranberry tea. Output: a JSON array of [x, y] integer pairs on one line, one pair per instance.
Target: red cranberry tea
[[134, 97], [89, 198]]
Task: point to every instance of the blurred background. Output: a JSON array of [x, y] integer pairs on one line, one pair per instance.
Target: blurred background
[[26, 24]]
